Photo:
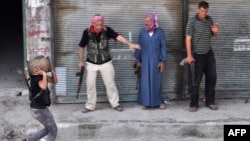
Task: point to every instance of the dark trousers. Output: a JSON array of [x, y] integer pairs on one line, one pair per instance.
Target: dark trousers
[[204, 63]]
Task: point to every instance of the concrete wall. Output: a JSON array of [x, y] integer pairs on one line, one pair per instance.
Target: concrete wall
[[38, 32]]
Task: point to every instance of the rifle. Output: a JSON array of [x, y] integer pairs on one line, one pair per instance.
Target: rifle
[[80, 80], [192, 69], [27, 79], [138, 73]]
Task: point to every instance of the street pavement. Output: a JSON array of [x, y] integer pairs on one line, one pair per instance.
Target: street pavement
[[175, 123]]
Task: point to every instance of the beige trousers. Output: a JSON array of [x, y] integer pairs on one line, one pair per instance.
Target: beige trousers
[[108, 76]]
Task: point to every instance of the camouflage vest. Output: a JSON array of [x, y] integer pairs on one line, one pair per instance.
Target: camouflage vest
[[98, 53]]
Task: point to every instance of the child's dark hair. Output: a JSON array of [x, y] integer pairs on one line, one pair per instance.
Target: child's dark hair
[[203, 4]]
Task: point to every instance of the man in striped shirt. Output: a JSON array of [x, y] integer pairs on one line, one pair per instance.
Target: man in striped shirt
[[199, 32]]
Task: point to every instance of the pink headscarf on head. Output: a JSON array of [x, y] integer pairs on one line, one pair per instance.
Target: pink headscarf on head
[[96, 18], [154, 19]]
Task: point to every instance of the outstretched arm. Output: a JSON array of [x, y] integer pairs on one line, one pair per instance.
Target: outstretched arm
[[125, 41]]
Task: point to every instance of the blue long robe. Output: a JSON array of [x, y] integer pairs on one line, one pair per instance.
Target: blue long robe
[[152, 52]]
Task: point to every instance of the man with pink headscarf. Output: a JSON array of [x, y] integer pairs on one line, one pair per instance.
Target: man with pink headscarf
[[151, 58], [99, 59]]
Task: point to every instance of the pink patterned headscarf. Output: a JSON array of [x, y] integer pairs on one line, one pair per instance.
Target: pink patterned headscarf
[[154, 19], [96, 18]]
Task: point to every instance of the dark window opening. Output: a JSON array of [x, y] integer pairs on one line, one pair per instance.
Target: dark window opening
[[11, 44]]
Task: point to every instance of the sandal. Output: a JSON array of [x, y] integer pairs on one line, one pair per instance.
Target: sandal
[[118, 108], [144, 107], [212, 107], [193, 109], [86, 110], [163, 106]]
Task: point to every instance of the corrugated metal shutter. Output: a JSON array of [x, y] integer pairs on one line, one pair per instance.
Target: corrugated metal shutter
[[127, 18], [231, 46]]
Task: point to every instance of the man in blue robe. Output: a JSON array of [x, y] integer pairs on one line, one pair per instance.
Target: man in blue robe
[[151, 58]]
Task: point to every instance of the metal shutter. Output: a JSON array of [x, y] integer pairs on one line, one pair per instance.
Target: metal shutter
[[231, 46], [126, 17]]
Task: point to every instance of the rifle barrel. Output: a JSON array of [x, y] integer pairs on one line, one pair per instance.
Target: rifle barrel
[[80, 81]]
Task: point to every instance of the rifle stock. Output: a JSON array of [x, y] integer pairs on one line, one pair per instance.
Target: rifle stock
[[192, 69], [138, 73], [80, 80]]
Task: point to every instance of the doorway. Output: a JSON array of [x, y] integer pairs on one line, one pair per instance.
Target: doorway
[[11, 44]]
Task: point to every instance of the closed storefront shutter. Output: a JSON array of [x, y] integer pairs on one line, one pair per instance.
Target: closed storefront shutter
[[231, 46], [126, 17]]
